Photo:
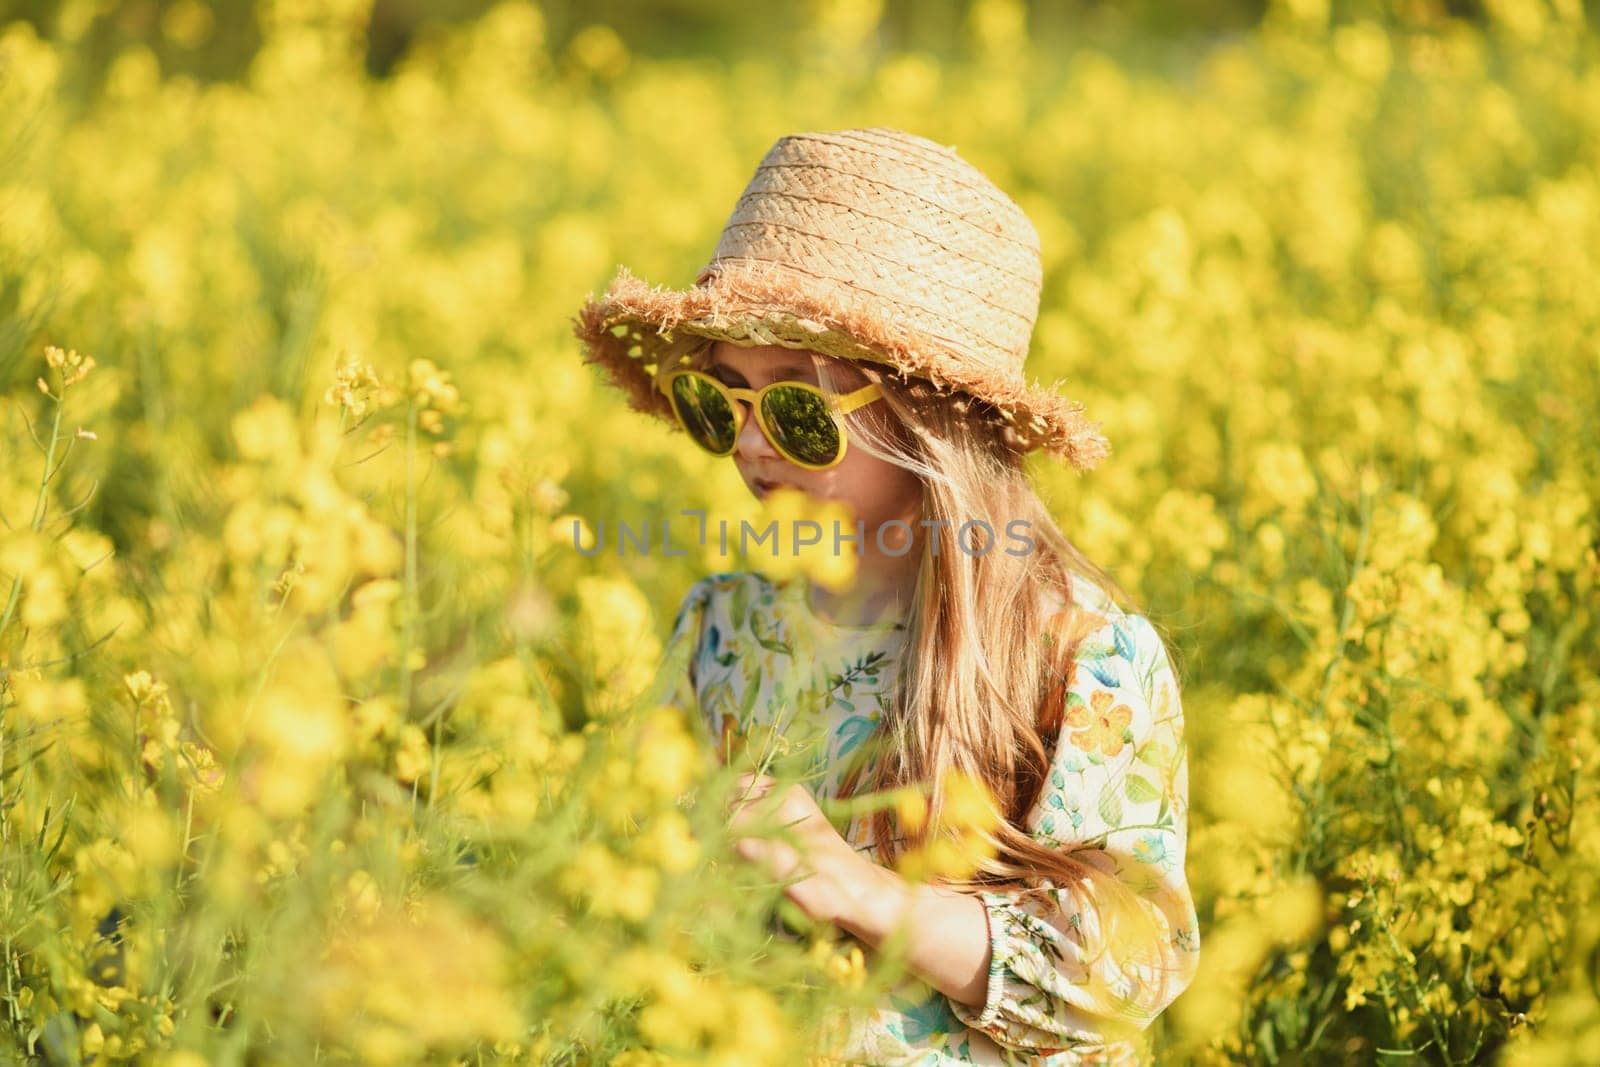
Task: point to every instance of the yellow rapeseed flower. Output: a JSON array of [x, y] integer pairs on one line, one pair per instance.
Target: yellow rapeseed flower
[[844, 964], [911, 806], [668, 843], [357, 390], [611, 885], [413, 759], [968, 804], [368, 980], [74, 368], [804, 549], [615, 621], [265, 430], [431, 389]]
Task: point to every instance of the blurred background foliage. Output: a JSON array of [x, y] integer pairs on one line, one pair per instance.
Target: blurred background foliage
[[298, 661], [216, 40]]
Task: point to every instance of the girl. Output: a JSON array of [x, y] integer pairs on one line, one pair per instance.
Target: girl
[[859, 335]]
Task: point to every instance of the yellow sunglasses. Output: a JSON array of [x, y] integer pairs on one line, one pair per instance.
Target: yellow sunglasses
[[802, 422]]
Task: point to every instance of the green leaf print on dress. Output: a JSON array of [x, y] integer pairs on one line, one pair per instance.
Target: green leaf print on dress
[[739, 605], [765, 630], [1141, 789], [863, 672], [853, 731], [713, 642], [864, 669]]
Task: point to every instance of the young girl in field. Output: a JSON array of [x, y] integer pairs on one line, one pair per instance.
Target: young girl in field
[[859, 335]]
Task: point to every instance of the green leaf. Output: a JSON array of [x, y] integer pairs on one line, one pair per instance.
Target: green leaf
[[1141, 790], [61, 1038], [752, 691], [1111, 807], [1154, 754]]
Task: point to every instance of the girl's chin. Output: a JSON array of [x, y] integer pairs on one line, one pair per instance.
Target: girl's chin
[[762, 491]]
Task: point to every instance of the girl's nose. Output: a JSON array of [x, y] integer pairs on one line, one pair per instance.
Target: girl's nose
[[752, 443]]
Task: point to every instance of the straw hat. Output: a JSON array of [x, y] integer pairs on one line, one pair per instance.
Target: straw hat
[[866, 244]]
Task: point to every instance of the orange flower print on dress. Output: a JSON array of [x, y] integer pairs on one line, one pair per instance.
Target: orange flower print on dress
[[1065, 631], [1102, 726]]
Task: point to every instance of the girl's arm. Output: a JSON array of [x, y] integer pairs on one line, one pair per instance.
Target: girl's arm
[[947, 932], [947, 938], [1048, 967]]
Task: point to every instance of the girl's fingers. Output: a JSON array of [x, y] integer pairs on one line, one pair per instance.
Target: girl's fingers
[[750, 788], [751, 849], [753, 785], [778, 859]]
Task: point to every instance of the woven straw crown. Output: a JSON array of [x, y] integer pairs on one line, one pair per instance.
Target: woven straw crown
[[867, 244]]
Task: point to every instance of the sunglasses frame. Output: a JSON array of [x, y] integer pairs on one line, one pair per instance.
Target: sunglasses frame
[[838, 405]]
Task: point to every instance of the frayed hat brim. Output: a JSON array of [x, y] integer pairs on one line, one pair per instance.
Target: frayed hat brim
[[631, 330]]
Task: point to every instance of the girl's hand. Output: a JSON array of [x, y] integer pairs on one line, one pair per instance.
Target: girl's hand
[[830, 871]]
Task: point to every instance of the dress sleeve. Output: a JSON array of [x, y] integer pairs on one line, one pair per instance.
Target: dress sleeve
[[1117, 797]]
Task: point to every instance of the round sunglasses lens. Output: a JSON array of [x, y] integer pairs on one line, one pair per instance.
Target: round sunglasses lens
[[801, 425], [705, 413]]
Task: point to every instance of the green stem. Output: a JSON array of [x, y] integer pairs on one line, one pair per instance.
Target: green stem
[[40, 506], [411, 559], [433, 771], [409, 626]]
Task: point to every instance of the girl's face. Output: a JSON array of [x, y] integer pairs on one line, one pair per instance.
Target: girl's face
[[877, 491]]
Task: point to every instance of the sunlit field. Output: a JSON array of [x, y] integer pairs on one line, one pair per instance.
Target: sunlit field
[[322, 741]]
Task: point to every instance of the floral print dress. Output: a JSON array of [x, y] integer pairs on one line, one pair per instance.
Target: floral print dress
[[1061, 990]]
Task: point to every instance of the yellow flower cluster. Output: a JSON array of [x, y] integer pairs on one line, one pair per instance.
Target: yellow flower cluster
[[163, 749], [71, 367], [432, 396], [690, 1016], [616, 638], [801, 549], [358, 391], [364, 989], [958, 825]]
